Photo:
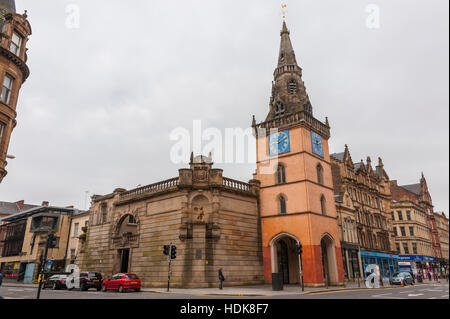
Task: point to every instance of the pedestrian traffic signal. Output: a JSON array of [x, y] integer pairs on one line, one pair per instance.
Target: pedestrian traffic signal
[[166, 250], [52, 241], [299, 249], [173, 252]]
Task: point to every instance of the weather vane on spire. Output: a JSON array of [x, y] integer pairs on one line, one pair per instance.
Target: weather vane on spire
[[284, 10]]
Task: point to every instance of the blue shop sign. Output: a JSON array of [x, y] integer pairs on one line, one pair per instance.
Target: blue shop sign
[[420, 258], [373, 254]]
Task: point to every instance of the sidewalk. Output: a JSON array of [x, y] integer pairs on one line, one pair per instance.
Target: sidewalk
[[266, 290]]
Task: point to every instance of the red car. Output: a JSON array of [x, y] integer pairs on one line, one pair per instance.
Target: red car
[[122, 282]]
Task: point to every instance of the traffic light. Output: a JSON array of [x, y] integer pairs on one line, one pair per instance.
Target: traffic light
[[52, 241], [299, 249], [173, 252], [166, 250]]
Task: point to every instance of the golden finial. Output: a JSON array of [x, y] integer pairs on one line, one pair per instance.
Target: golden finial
[[284, 10]]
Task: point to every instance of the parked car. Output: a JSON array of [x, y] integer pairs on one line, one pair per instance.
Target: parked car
[[122, 282], [55, 282], [89, 280], [402, 277]]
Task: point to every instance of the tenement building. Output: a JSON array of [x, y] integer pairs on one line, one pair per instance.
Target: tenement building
[[14, 32], [412, 238], [212, 220], [296, 196], [25, 236], [419, 194], [362, 197]]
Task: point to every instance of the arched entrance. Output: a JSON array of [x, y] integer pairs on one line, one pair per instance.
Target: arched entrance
[[284, 257], [329, 264], [126, 237]]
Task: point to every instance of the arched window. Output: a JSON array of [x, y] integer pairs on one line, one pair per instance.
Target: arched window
[[323, 205], [132, 219], [281, 174], [319, 174], [282, 201], [279, 109]]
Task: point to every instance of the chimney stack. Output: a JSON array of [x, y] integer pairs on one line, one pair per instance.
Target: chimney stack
[[45, 204], [20, 204]]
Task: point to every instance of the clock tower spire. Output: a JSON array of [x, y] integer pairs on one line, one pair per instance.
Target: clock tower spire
[[288, 90], [296, 197]]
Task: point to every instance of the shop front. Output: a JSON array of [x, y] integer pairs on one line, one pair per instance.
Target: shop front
[[387, 263], [350, 257], [418, 264]]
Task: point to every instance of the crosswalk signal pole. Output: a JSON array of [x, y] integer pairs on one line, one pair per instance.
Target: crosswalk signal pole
[[170, 262]]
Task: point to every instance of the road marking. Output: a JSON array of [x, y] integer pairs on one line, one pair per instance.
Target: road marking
[[382, 295], [407, 292], [16, 290], [415, 295], [432, 298], [444, 296]]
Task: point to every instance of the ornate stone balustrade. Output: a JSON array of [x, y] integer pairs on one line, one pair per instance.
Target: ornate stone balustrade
[[231, 183], [294, 119], [152, 188]]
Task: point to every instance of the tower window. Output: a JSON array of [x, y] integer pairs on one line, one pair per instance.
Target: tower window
[[323, 205], [104, 214], [282, 56], [281, 174], [16, 43], [282, 205], [279, 109], [292, 86], [6, 89], [320, 174]]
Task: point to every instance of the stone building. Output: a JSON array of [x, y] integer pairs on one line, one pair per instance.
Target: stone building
[[80, 222], [14, 32], [362, 197], [412, 238], [25, 239], [212, 220], [420, 194], [442, 227], [293, 165]]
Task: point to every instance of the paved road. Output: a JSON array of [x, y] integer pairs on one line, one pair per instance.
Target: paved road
[[425, 291]]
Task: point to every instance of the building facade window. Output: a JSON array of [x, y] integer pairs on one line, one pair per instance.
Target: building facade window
[[6, 89], [16, 43], [72, 253], [406, 248], [104, 214], [414, 247], [402, 230], [282, 201], [392, 215], [395, 231], [281, 174], [400, 216], [319, 169], [75, 229], [408, 215], [411, 231], [2, 127], [397, 246], [323, 205]]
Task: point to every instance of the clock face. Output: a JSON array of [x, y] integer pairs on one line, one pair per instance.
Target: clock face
[[317, 144], [279, 143]]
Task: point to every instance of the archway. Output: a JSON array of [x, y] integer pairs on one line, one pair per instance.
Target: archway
[[284, 257], [329, 262]]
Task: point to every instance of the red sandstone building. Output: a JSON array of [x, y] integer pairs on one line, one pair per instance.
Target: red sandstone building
[[14, 32]]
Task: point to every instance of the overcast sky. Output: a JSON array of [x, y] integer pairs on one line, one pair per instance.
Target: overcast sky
[[101, 101]]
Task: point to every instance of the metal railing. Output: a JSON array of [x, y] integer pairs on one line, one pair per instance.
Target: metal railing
[[152, 188]]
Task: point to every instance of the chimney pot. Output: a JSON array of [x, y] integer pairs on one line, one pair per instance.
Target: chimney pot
[[45, 204]]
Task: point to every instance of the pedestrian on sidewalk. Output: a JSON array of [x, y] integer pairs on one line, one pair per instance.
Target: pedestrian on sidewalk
[[221, 279], [429, 276]]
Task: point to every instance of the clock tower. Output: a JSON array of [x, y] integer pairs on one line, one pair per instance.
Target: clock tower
[[298, 216]]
